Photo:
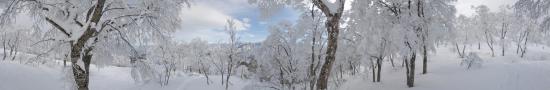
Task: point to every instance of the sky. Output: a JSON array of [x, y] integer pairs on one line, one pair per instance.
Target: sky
[[206, 19], [464, 7]]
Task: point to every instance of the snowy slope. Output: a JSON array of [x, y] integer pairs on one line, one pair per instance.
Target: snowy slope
[[23, 77], [508, 72], [17, 76]]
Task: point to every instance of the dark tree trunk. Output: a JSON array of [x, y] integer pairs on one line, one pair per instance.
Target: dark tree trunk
[[379, 64], [503, 36], [78, 48], [478, 45], [525, 44], [333, 25], [410, 78], [15, 46], [312, 70], [410, 65], [81, 74], [458, 51], [229, 70], [330, 55]]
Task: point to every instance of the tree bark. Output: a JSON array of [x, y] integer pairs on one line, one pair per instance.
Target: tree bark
[[489, 41], [425, 55], [80, 74], [458, 51], [525, 44], [312, 68], [410, 65], [379, 62], [4, 49], [425, 60], [410, 78], [332, 24], [503, 37], [373, 67], [478, 45]]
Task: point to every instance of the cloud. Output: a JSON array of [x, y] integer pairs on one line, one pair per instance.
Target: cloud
[[207, 20], [202, 17], [464, 6]]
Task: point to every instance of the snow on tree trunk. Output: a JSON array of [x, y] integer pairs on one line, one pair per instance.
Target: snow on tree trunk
[[424, 56], [333, 27]]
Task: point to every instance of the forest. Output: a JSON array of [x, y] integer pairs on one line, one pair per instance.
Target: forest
[[330, 45]]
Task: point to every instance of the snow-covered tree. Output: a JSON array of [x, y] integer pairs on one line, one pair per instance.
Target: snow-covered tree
[[333, 11], [85, 23]]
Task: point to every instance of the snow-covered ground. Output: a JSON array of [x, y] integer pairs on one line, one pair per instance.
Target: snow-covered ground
[[508, 72], [17, 76]]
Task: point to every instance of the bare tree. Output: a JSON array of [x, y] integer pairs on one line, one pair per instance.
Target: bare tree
[[231, 30], [503, 33]]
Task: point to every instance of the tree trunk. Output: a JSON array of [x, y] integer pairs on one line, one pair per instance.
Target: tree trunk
[[391, 60], [503, 36], [373, 69], [4, 49], [458, 51], [410, 65], [478, 45], [489, 41], [80, 74], [410, 78], [407, 69], [425, 57], [379, 64], [65, 60], [312, 71], [425, 61], [229, 69], [15, 47], [524, 44], [333, 25], [518, 43], [492, 50]]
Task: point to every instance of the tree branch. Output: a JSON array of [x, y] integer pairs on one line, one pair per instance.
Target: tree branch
[[323, 7], [58, 27]]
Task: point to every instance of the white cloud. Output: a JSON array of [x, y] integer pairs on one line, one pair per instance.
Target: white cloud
[[201, 17], [207, 20], [464, 6]]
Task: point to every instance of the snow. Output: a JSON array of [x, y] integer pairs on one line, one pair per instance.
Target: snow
[[24, 77], [332, 5], [16, 76], [508, 72]]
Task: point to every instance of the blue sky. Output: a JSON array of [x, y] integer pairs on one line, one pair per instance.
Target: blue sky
[[206, 18]]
